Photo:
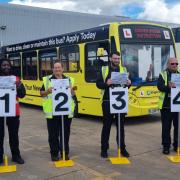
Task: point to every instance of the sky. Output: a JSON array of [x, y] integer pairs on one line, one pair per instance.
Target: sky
[[155, 10]]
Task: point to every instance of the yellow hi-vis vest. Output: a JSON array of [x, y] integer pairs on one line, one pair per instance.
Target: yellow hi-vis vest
[[105, 72], [162, 94], [47, 101]]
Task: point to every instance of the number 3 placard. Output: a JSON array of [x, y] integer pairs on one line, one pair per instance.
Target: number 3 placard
[[118, 100], [175, 100], [7, 102]]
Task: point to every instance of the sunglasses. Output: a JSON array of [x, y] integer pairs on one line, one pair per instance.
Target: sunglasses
[[174, 64]]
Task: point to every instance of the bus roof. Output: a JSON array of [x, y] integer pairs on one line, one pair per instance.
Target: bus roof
[[87, 35]]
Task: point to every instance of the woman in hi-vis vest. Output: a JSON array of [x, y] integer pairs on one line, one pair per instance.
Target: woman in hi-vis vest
[[12, 122], [54, 122]]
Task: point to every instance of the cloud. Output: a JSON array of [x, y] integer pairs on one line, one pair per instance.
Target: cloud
[[107, 7], [155, 10], [159, 10]]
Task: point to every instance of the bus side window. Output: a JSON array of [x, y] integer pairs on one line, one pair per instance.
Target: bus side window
[[69, 57], [16, 63], [46, 59], [93, 62], [29, 60]]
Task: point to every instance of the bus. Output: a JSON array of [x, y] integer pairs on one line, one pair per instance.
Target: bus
[[144, 47]]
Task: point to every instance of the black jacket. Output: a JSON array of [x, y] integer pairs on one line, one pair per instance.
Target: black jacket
[[102, 85]]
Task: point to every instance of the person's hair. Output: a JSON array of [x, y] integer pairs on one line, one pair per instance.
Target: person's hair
[[58, 61], [114, 52]]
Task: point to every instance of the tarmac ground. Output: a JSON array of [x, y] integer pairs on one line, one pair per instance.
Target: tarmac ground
[[143, 140]]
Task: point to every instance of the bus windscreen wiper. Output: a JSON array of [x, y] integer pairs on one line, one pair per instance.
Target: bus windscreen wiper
[[152, 82]]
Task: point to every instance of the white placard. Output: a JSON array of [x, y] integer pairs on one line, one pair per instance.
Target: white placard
[[61, 97], [175, 78], [119, 78], [7, 82], [118, 100], [7, 96], [60, 83], [175, 99]]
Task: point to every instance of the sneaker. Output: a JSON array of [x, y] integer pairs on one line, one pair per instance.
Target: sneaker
[[165, 150], [54, 157], [18, 160], [104, 154], [124, 153]]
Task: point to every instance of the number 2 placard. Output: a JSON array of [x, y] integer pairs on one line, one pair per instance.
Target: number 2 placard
[[61, 101], [175, 100], [7, 102], [118, 100]]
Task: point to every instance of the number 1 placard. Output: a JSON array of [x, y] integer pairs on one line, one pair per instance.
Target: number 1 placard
[[175, 99], [118, 100], [7, 102]]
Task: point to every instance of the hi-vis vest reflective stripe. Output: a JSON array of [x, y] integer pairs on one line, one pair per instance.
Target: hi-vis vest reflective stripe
[[162, 94], [47, 101], [105, 72]]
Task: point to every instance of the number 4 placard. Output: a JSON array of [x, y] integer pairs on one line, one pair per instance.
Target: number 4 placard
[[7, 102], [118, 100], [175, 100]]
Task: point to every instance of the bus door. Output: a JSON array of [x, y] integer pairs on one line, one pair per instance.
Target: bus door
[[90, 95]]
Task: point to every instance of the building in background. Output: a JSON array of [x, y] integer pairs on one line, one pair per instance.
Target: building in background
[[24, 23]]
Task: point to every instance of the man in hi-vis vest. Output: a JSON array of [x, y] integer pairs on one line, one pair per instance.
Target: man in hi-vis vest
[[54, 122], [164, 85], [104, 82]]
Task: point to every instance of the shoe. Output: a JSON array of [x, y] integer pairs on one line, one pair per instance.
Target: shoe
[[18, 159], [54, 157], [124, 153], [66, 157], [165, 150], [175, 149], [104, 154]]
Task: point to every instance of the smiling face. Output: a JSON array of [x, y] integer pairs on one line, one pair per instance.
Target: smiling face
[[57, 69], [5, 67]]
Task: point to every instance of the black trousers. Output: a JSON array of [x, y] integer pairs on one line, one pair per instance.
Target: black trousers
[[13, 128], [55, 134], [108, 119], [167, 117]]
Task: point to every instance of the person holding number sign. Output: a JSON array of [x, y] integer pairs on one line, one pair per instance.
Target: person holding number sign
[[12, 122], [164, 85], [54, 122], [104, 82]]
